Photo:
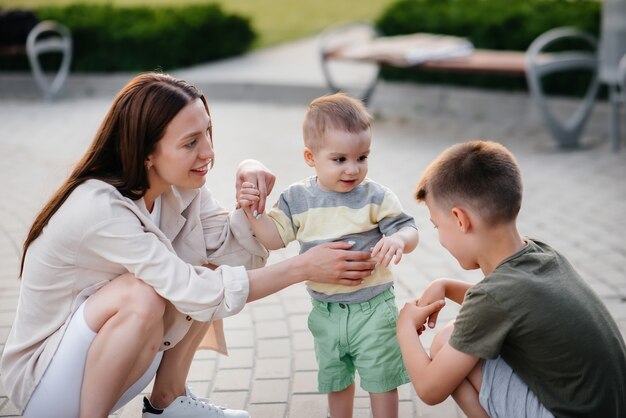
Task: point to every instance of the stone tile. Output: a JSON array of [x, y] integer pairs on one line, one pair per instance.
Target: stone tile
[[307, 406], [201, 370], [271, 329], [272, 368], [274, 410], [304, 360], [302, 340], [230, 399], [237, 358], [298, 322], [237, 338], [304, 382], [267, 312], [232, 380], [270, 391], [273, 348]]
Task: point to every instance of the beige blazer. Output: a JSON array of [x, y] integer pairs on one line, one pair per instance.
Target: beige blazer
[[96, 236]]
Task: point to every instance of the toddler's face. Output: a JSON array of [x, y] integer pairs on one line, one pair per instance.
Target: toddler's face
[[341, 162]]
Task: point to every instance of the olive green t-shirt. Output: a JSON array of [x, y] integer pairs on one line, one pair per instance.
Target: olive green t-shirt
[[537, 313]]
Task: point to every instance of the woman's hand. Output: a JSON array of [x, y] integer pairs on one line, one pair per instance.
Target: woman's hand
[[326, 263], [334, 263], [252, 171]]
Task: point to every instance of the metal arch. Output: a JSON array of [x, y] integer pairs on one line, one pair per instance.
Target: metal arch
[[60, 41], [336, 34], [622, 76], [566, 133]]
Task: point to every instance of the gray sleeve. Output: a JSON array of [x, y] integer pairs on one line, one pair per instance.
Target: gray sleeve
[[391, 218]]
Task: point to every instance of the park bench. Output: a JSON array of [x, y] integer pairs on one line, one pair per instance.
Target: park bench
[[360, 43], [22, 34]]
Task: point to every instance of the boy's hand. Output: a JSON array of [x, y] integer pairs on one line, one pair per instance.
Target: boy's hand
[[387, 249], [434, 291], [415, 316]]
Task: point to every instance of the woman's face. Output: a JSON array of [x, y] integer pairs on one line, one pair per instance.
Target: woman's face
[[182, 157]]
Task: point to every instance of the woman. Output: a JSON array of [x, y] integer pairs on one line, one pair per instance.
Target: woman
[[116, 267]]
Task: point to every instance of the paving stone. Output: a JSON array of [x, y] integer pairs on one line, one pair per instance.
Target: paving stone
[[270, 391], [274, 410], [272, 368]]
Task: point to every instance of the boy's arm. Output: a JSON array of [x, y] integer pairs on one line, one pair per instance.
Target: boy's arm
[[393, 246], [454, 290], [263, 227], [433, 379], [439, 289]]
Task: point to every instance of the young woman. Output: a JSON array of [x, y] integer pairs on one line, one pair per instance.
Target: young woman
[[117, 279]]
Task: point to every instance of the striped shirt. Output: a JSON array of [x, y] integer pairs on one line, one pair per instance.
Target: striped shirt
[[313, 216]]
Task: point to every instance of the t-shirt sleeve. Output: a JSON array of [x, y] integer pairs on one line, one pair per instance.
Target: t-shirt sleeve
[[481, 326], [390, 217]]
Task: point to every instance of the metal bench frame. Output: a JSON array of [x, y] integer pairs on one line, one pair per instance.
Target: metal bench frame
[[57, 40], [533, 64]]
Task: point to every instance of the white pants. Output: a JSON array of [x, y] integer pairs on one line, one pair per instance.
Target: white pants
[[58, 393]]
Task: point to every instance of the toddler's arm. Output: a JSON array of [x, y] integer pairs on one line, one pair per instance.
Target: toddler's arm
[[263, 227], [393, 246]]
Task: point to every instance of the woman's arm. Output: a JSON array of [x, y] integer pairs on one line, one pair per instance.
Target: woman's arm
[[326, 263]]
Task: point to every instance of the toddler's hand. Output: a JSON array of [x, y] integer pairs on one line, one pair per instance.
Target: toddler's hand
[[248, 198], [387, 249]]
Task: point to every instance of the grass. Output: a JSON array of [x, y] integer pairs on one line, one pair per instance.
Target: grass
[[275, 21]]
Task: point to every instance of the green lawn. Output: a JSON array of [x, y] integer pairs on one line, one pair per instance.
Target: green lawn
[[275, 21]]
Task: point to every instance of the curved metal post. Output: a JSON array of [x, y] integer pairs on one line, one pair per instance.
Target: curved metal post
[[566, 133], [59, 41], [340, 36]]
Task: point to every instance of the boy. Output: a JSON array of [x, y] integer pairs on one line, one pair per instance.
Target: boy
[[353, 326], [531, 339]]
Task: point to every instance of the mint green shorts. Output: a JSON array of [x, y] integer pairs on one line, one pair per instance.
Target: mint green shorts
[[361, 337]]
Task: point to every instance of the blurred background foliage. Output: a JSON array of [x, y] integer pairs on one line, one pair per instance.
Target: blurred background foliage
[[275, 21]]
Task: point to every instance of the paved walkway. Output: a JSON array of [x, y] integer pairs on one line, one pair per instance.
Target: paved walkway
[[575, 200]]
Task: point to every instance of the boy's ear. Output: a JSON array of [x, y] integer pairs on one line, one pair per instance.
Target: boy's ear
[[462, 219], [309, 158]]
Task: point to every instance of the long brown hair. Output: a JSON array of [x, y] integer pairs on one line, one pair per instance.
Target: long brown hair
[[128, 134]]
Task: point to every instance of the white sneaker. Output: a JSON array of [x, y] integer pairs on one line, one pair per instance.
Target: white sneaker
[[190, 406]]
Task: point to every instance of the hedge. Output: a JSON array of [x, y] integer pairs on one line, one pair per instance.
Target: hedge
[[491, 24], [111, 38]]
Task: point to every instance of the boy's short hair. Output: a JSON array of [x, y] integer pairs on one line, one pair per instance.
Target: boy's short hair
[[336, 111], [481, 174]]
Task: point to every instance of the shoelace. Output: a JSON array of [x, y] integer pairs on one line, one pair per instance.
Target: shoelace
[[202, 401]]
